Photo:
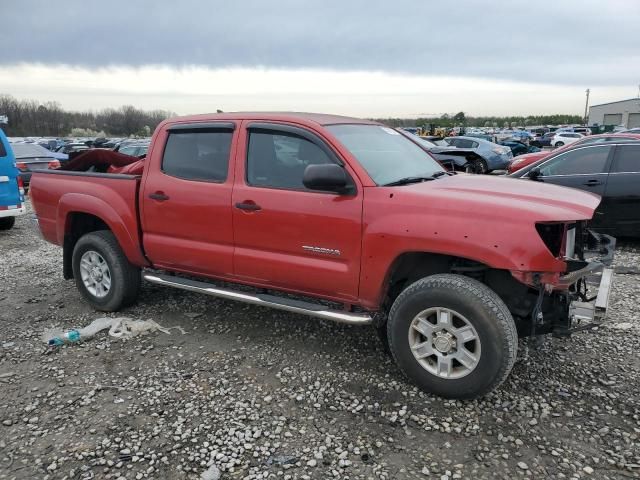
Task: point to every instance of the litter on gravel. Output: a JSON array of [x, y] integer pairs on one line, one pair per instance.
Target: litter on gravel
[[121, 327]]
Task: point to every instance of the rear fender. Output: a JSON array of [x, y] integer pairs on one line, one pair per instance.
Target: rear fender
[[123, 225]]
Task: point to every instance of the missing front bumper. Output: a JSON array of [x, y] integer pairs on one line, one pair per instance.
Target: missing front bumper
[[587, 315], [595, 272]]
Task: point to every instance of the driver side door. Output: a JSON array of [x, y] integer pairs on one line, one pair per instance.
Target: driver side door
[[286, 236]]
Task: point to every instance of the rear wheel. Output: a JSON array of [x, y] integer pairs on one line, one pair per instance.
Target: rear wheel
[[480, 166], [452, 336], [7, 223], [103, 275]]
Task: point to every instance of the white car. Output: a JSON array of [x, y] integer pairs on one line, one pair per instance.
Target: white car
[[565, 138]]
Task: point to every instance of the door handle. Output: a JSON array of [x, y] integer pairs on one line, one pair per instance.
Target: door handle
[[160, 196], [592, 183], [249, 206]]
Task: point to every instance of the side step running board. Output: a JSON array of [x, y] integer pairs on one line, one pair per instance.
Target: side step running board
[[265, 300]]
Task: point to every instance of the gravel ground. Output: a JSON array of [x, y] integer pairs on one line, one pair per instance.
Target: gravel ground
[[259, 393]]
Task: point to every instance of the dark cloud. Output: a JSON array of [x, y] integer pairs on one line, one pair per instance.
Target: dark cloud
[[583, 42]]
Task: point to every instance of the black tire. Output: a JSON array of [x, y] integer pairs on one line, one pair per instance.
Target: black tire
[[125, 278], [559, 144], [480, 166], [7, 223], [483, 309]]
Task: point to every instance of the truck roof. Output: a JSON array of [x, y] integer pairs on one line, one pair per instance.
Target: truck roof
[[300, 117]]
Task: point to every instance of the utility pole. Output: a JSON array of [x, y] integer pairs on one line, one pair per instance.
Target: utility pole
[[586, 107]]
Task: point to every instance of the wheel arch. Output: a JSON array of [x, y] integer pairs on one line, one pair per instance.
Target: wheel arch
[[80, 214], [409, 267]]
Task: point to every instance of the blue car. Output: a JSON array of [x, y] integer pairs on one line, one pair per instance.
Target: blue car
[[11, 191], [492, 156]]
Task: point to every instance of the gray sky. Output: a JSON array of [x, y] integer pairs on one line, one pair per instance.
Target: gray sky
[[391, 57]]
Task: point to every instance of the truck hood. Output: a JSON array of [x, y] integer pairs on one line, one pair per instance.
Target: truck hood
[[509, 199]]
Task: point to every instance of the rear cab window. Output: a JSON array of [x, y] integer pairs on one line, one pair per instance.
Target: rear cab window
[[199, 154]]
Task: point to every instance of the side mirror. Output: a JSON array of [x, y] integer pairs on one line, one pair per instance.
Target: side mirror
[[534, 173], [327, 177]]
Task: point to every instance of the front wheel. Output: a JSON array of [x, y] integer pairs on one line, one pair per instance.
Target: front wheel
[[103, 275], [7, 223], [559, 144], [452, 336]]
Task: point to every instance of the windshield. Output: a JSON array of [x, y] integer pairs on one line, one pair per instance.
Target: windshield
[[385, 154]]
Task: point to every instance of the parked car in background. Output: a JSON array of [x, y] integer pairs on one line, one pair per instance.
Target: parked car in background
[[632, 130], [543, 141], [565, 138], [538, 132], [111, 143], [492, 156], [30, 157], [72, 147], [11, 189], [451, 158], [49, 143], [483, 136], [527, 159], [609, 169], [132, 141], [582, 130], [133, 149], [521, 136], [519, 148]]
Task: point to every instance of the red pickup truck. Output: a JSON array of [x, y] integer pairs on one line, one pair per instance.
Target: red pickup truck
[[336, 218]]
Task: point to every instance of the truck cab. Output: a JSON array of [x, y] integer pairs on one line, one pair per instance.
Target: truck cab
[[11, 190]]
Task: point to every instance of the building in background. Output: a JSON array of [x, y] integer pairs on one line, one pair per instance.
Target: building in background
[[622, 112]]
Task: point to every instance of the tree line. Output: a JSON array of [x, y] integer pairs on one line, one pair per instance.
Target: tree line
[[462, 120], [49, 119]]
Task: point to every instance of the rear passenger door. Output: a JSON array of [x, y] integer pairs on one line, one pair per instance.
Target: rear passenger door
[[622, 195], [186, 199]]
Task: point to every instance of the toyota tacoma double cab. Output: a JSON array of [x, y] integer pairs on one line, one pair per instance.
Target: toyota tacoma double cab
[[340, 219]]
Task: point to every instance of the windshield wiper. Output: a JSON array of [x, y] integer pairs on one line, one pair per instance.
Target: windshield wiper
[[408, 180]]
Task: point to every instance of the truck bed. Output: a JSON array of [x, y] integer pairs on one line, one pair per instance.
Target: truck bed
[[61, 197]]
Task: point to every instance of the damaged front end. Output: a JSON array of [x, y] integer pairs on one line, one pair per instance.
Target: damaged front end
[[588, 270], [576, 299]]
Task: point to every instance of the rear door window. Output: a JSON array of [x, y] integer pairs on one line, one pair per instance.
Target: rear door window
[[198, 155], [627, 159], [464, 143]]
